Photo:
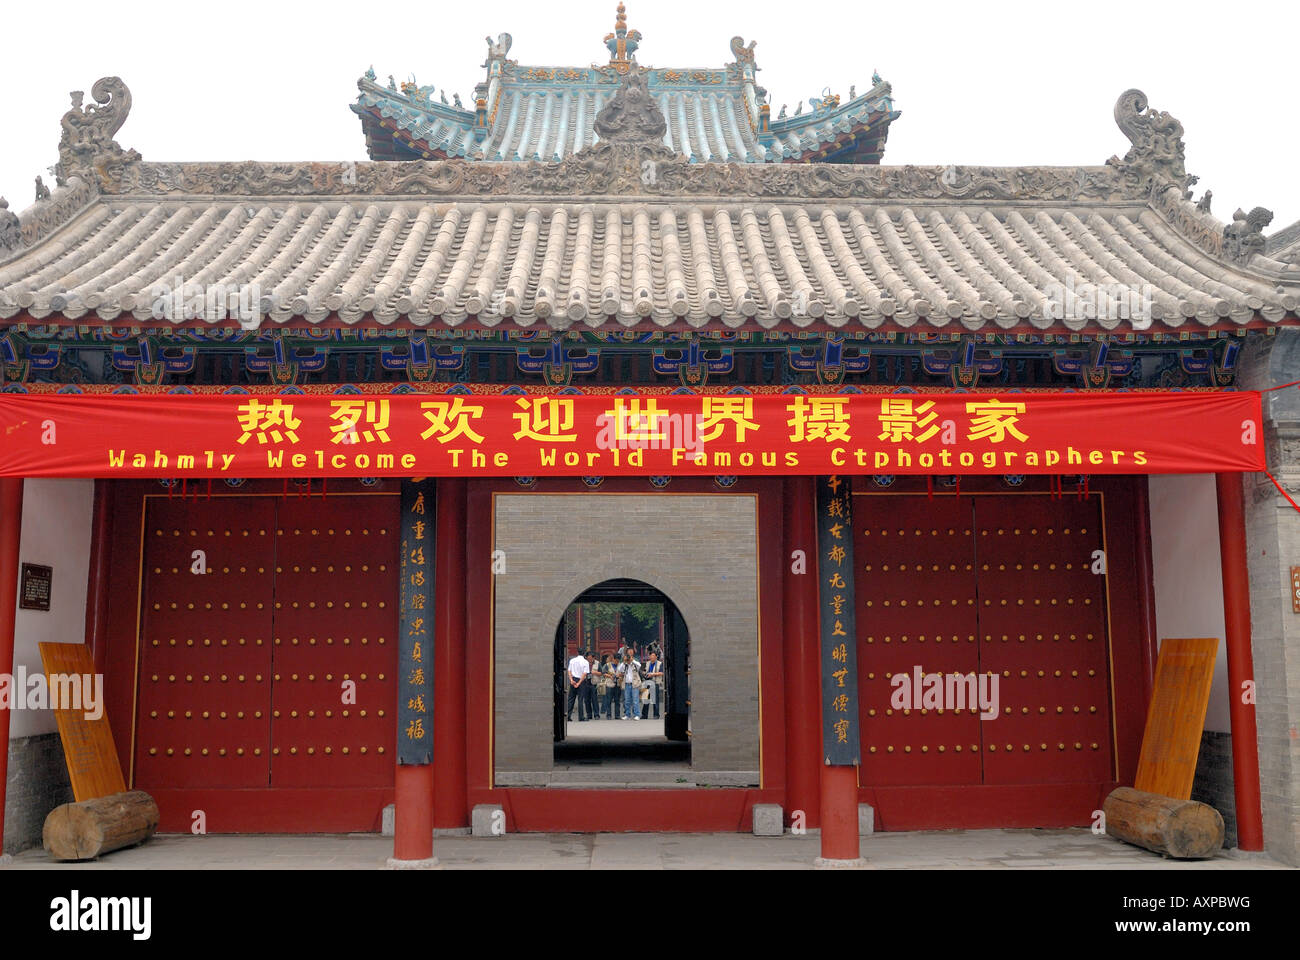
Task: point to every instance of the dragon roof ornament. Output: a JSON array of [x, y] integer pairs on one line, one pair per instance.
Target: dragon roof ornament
[[86, 146], [1157, 155]]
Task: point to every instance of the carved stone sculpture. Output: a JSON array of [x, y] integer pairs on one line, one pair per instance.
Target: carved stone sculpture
[[744, 54], [1244, 237], [87, 146], [42, 191], [499, 49], [10, 230], [1157, 154], [1203, 205], [631, 114]]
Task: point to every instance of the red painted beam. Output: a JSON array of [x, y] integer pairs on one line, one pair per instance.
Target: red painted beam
[[801, 657], [1236, 618], [11, 525]]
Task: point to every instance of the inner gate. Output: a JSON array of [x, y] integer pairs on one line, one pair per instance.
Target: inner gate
[[267, 643]]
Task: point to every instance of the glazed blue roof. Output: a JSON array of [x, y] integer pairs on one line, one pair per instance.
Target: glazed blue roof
[[547, 113]]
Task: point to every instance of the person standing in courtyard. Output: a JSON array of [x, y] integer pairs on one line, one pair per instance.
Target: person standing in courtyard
[[630, 673], [593, 701], [654, 672], [579, 677]]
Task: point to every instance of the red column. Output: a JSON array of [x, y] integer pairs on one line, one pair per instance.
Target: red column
[[413, 813], [97, 579], [451, 798], [11, 525], [840, 840], [802, 652], [1236, 617]]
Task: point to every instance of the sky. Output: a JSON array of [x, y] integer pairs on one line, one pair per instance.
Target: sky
[[1002, 83]]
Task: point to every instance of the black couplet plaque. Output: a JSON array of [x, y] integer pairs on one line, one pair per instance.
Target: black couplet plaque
[[415, 651], [839, 660]]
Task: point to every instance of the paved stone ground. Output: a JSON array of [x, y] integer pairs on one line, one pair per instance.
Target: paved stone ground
[[616, 731], [956, 849]]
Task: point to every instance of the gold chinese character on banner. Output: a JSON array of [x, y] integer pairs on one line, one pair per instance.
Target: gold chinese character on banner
[[637, 420], [841, 703], [417, 601], [415, 729], [835, 507], [417, 530], [837, 531], [416, 703], [840, 653], [417, 677], [417, 556], [265, 420], [349, 413], [417, 628], [417, 651], [841, 731], [719, 411], [836, 581], [994, 419], [839, 676], [417, 578], [451, 419], [836, 555], [418, 505], [899, 421], [546, 419], [837, 604], [819, 418], [838, 630]]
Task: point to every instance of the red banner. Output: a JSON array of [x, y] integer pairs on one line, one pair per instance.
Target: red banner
[[421, 435]]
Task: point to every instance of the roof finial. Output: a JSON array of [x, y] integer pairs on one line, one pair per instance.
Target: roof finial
[[622, 43]]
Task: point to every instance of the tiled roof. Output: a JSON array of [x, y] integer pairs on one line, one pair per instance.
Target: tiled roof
[[630, 234], [658, 264]]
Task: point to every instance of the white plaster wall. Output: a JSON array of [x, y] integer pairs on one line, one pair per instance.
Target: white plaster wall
[[1188, 579], [56, 533]]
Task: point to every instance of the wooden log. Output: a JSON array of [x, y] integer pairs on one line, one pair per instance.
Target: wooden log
[[1182, 829], [85, 830]]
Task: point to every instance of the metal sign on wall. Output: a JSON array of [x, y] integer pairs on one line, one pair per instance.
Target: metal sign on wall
[[839, 660], [415, 651], [34, 589]]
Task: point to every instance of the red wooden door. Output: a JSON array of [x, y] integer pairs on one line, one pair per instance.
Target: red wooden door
[[916, 595], [205, 663], [335, 653], [276, 668], [1043, 633], [995, 585]]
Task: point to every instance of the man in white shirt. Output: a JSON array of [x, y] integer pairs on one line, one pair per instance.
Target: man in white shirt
[[579, 671]]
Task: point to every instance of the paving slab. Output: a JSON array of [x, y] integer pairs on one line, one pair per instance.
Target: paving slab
[[944, 850]]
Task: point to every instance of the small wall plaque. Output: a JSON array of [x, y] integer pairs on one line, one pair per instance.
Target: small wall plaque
[[1295, 589], [34, 587]]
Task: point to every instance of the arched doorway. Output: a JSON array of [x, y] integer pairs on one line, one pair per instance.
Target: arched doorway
[[603, 619]]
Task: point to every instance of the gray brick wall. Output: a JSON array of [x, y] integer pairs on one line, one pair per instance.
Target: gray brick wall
[[36, 784], [1273, 547], [699, 550], [1214, 784]]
